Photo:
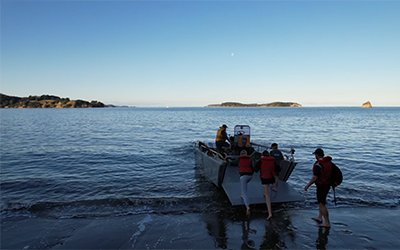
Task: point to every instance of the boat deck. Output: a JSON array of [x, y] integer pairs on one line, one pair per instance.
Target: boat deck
[[231, 185]]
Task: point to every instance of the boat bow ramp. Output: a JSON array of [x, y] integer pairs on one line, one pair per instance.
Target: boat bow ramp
[[255, 190]]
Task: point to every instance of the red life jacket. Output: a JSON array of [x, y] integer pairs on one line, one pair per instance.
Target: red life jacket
[[267, 167], [245, 164], [325, 176]]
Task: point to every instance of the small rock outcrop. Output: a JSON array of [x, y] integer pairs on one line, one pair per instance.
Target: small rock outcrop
[[366, 105]]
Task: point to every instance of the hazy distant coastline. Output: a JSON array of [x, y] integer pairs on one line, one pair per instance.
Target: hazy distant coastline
[[238, 104]]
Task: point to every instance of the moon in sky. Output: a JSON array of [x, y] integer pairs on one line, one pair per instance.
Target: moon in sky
[[232, 54]]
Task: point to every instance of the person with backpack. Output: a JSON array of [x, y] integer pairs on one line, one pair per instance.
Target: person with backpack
[[322, 171]]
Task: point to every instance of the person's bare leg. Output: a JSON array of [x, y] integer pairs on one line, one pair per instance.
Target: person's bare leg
[[276, 183], [324, 212], [243, 183], [319, 217], [268, 201]]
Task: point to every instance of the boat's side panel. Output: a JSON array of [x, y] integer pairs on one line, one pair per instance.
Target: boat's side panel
[[287, 170], [212, 167]]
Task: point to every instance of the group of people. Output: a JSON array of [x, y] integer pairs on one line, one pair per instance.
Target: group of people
[[270, 165]]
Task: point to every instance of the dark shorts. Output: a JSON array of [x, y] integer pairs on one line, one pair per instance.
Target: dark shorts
[[322, 192], [221, 144], [266, 181]]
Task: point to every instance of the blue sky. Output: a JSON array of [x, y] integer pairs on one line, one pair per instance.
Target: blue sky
[[195, 53]]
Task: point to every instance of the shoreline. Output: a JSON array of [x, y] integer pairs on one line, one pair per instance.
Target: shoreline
[[352, 228]]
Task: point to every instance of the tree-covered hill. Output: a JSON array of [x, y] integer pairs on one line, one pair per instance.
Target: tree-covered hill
[[273, 104], [45, 101]]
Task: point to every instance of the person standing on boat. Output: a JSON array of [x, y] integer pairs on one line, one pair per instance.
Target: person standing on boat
[[246, 174], [268, 168], [220, 141], [321, 177], [277, 154]]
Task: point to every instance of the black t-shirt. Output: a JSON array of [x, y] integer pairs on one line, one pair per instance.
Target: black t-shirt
[[318, 169], [277, 154]]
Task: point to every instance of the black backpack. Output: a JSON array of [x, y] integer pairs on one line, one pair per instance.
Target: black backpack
[[336, 179], [336, 176]]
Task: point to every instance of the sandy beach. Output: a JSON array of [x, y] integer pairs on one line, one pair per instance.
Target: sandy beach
[[358, 228]]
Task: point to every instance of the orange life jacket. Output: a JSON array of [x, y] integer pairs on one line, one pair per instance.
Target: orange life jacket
[[220, 136], [325, 176], [245, 164], [240, 141], [267, 167]]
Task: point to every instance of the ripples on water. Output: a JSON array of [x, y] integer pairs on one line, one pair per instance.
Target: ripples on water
[[101, 162]]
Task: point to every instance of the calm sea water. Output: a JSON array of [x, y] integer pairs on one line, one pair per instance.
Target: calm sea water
[[66, 163]]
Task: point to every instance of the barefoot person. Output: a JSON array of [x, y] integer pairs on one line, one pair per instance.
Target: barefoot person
[[268, 168], [321, 177], [246, 174]]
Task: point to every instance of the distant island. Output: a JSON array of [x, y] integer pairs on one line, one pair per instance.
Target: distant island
[[238, 104], [366, 105], [45, 101]]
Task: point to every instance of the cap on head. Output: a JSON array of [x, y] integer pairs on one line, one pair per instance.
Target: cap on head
[[224, 126], [273, 145], [319, 152]]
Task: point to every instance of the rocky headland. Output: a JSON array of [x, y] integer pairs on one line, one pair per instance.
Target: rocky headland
[[238, 104], [366, 105], [45, 101]]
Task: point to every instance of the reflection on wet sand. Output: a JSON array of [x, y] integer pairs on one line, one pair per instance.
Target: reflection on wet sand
[[216, 228], [293, 229], [277, 234], [272, 238], [353, 228], [322, 240], [246, 230]]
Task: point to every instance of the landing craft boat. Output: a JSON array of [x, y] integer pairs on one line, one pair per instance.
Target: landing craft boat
[[222, 169]]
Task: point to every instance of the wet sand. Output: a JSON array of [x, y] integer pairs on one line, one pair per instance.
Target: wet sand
[[358, 228]]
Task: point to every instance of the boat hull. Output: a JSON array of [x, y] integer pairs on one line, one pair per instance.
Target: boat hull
[[225, 174], [213, 168]]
